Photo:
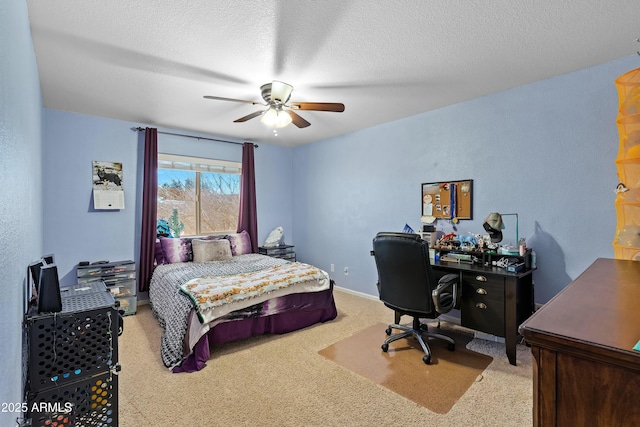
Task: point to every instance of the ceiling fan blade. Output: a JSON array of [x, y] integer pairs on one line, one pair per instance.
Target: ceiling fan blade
[[220, 98], [249, 117], [318, 106], [297, 120]]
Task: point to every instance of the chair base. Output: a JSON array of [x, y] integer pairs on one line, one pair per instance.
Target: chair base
[[419, 332]]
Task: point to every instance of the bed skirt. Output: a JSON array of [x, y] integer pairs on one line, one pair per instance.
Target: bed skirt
[[308, 309]]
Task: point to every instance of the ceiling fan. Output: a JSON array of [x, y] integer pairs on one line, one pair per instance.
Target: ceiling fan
[[279, 114]]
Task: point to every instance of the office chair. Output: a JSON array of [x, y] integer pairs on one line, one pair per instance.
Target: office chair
[[407, 285]]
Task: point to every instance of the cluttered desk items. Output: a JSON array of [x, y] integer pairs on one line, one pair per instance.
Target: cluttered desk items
[[484, 250]]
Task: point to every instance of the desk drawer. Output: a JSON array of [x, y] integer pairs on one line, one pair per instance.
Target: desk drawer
[[483, 303]]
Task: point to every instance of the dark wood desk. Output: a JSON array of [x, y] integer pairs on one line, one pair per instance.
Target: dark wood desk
[[493, 300], [585, 371]]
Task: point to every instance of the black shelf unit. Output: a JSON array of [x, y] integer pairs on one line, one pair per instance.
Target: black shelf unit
[[72, 360], [287, 252]]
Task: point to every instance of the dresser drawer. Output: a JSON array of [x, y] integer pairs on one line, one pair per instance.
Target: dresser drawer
[[483, 305]]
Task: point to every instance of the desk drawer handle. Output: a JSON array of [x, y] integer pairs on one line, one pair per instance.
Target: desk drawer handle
[[481, 278], [481, 305], [481, 291]]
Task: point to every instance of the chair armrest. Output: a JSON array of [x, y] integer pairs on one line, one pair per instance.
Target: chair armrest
[[445, 295]]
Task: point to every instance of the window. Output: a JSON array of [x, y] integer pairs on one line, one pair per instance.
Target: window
[[204, 192]]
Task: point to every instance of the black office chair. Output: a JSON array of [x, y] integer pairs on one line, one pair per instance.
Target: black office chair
[[407, 285]]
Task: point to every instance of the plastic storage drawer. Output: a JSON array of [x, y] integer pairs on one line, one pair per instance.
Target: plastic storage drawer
[[128, 304], [123, 289]]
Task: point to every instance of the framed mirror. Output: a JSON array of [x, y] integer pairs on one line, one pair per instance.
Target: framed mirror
[[452, 200]]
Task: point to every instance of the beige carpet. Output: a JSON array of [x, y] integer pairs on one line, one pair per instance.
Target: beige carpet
[[437, 386], [283, 381]]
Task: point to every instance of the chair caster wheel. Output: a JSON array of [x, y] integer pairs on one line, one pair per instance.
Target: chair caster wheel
[[451, 346], [388, 331], [385, 347], [426, 359]]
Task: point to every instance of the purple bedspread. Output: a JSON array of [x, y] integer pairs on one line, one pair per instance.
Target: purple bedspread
[[276, 316]]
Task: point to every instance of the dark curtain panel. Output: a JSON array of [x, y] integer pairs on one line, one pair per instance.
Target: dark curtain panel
[[248, 218], [149, 208]]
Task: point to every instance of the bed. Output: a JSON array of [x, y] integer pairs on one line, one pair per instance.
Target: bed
[[200, 304]]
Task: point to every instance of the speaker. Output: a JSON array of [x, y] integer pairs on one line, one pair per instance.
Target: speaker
[[49, 299]]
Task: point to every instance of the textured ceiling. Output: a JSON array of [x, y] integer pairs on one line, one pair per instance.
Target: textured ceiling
[[151, 62]]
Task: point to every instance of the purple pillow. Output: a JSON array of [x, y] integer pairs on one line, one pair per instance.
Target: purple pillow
[[159, 255], [176, 249], [240, 243]]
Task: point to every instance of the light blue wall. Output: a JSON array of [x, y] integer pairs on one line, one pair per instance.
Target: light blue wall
[[21, 189], [545, 151], [74, 231]]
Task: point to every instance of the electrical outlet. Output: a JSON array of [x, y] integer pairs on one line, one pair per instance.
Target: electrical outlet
[[346, 271], [333, 268]]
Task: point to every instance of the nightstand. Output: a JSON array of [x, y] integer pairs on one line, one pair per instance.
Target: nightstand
[[287, 252]]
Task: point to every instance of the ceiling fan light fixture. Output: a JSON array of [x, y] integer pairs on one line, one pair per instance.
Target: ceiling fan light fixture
[[280, 92], [276, 118]]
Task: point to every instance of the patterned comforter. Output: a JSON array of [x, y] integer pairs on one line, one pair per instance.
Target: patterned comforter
[[173, 308]]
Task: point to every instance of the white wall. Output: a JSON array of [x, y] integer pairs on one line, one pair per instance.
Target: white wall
[[545, 151], [21, 189]]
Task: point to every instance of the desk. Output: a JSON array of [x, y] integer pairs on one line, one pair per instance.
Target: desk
[[585, 371], [493, 300]]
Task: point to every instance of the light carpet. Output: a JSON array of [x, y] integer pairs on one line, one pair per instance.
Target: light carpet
[[283, 381], [436, 386]]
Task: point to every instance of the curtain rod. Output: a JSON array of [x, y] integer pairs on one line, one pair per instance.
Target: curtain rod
[[139, 129]]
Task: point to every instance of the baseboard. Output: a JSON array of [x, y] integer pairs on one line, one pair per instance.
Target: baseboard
[[360, 294], [487, 337]]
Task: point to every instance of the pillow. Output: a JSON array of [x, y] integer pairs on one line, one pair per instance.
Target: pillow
[[211, 250], [240, 243], [158, 254], [211, 237], [176, 249]]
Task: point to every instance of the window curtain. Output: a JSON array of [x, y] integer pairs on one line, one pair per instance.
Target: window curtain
[[248, 218], [149, 208]]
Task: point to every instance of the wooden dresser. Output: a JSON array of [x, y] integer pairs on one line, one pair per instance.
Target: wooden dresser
[[585, 371]]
